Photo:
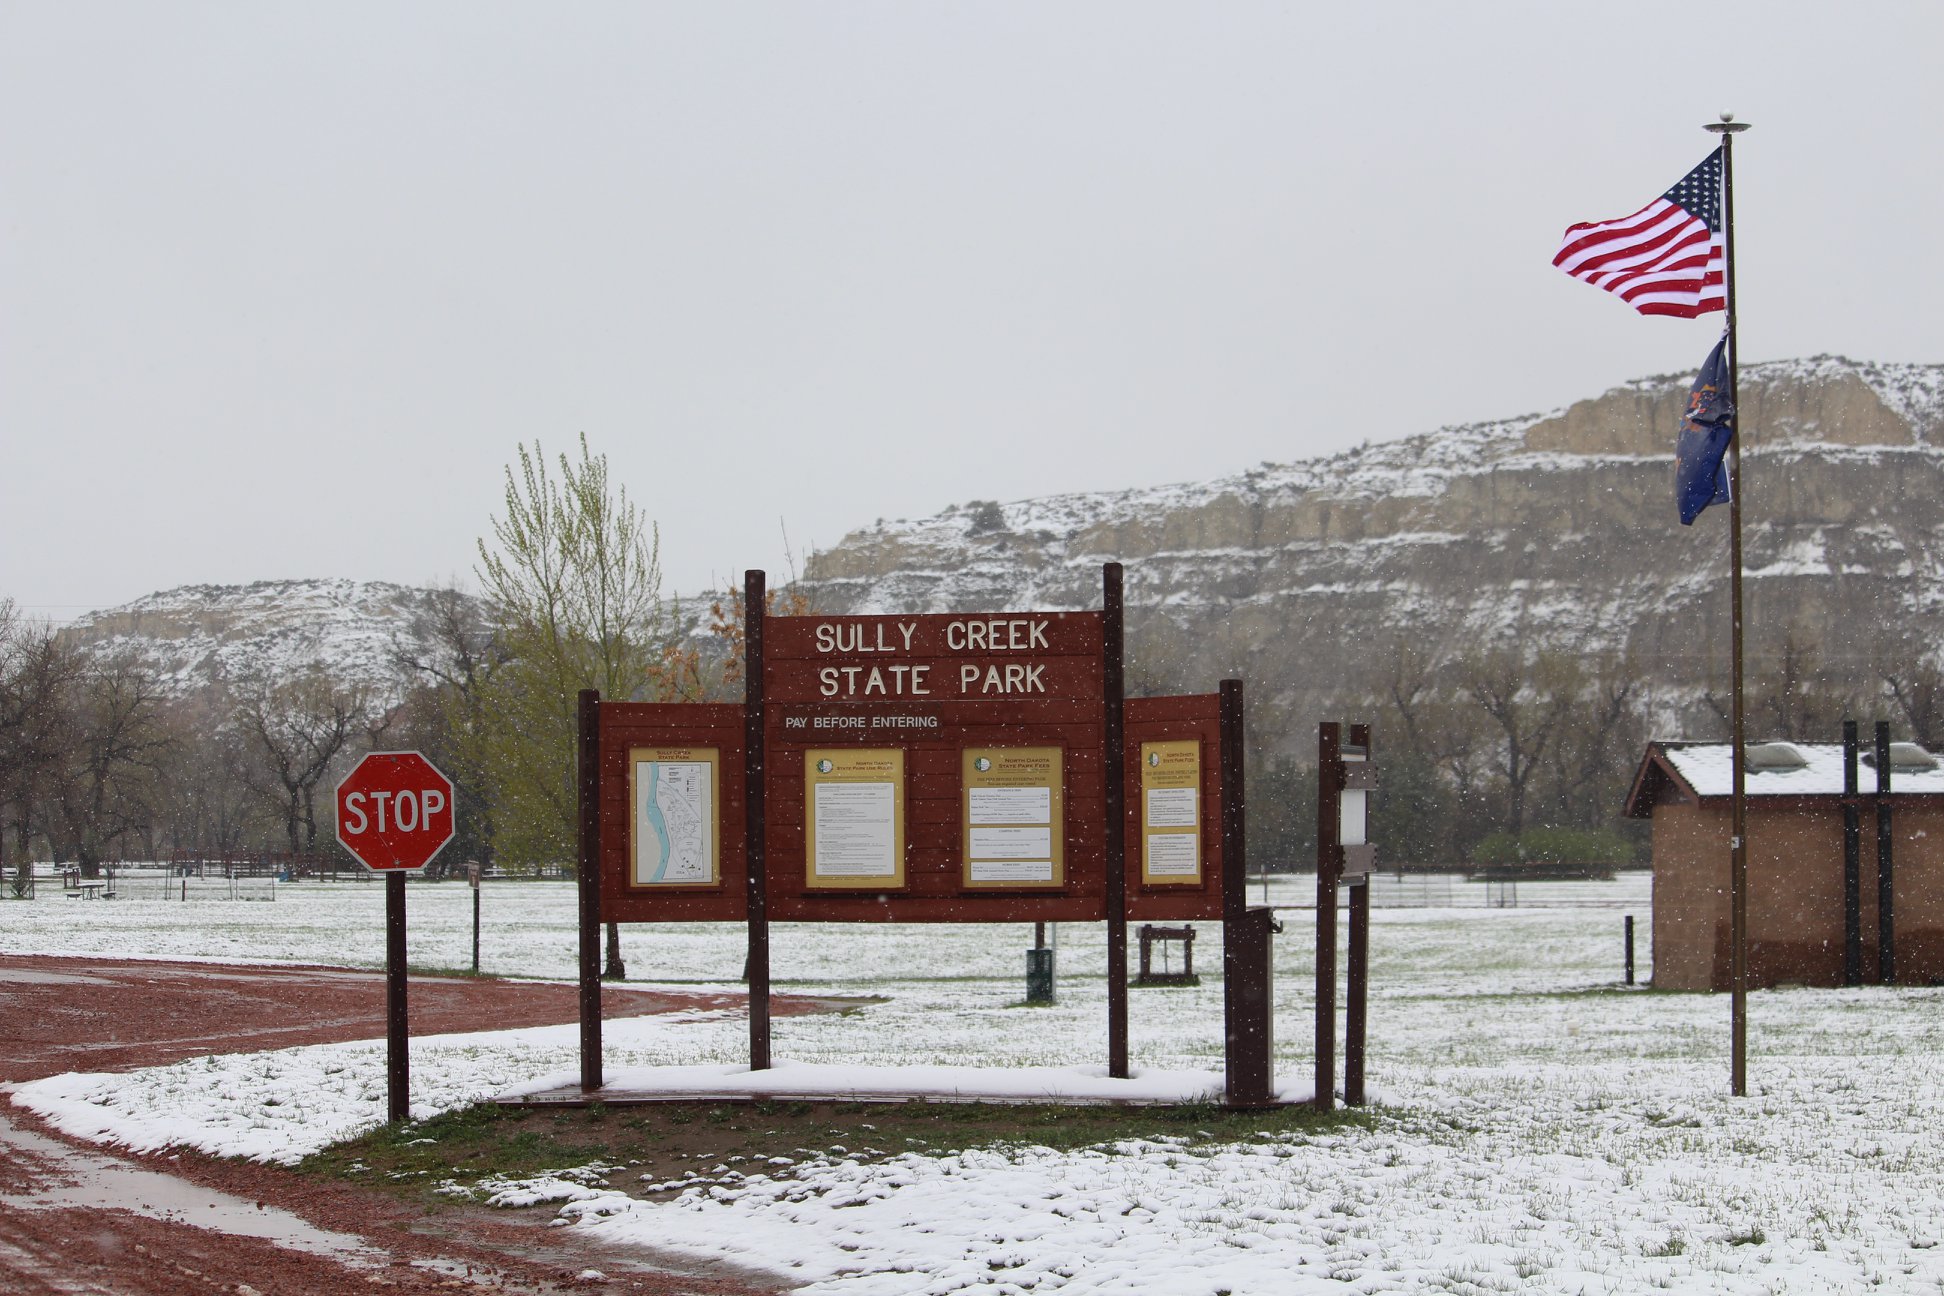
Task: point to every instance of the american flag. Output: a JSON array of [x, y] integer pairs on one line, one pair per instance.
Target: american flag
[[1666, 258]]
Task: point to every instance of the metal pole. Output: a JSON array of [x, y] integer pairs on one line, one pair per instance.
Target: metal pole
[[1114, 739], [475, 891], [1630, 949], [589, 867], [757, 965], [398, 1064], [1329, 856], [1727, 128], [1886, 878], [1852, 864]]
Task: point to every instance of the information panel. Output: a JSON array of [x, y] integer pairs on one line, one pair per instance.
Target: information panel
[[1171, 813], [854, 811], [672, 794], [1014, 821]]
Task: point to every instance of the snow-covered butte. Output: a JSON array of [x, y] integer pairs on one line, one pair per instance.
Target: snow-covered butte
[[1557, 527], [197, 636]]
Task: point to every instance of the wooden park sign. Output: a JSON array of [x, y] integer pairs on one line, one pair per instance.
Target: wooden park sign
[[935, 768]]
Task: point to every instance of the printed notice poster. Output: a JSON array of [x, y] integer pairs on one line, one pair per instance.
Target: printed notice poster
[[673, 792], [854, 804], [1171, 813], [1014, 830]]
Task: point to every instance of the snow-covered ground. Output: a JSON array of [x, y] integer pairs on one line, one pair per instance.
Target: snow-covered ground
[[1540, 1129]]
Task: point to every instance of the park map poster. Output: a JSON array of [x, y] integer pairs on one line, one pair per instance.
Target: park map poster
[[673, 795]]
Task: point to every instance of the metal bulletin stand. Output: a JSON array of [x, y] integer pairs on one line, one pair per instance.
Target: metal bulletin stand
[[1148, 824]]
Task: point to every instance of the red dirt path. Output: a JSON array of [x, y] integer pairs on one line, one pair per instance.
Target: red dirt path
[[64, 1014]]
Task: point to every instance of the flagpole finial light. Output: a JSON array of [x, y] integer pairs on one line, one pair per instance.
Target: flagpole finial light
[[1727, 125]]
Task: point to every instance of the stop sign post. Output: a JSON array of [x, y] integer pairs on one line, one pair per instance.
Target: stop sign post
[[394, 814]]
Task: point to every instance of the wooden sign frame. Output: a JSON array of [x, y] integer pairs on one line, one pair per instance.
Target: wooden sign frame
[[926, 697]]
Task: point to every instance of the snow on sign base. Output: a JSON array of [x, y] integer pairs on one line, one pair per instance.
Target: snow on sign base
[[394, 811]]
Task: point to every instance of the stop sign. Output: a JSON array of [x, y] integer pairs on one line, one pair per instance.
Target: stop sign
[[394, 811]]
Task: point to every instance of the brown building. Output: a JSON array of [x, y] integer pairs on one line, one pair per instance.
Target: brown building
[[1795, 863]]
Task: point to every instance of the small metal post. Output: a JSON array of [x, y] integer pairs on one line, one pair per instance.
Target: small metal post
[[1852, 864], [475, 891], [1886, 877], [398, 1062], [1630, 949], [1357, 1000]]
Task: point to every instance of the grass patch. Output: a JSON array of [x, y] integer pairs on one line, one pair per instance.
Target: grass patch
[[666, 1142]]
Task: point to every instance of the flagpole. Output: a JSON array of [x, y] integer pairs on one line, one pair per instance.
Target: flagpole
[[1728, 128]]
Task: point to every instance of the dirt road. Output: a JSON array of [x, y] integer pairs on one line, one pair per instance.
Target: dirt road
[[77, 1219]]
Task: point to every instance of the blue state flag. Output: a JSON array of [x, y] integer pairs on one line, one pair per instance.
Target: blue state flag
[[1700, 476]]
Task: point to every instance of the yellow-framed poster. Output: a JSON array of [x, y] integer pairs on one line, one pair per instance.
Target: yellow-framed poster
[[1013, 820], [1171, 813], [854, 818], [673, 813]]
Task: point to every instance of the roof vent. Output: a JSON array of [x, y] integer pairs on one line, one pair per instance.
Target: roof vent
[[1779, 756], [1905, 756]]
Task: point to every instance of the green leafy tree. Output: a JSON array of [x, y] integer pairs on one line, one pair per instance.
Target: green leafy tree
[[573, 575]]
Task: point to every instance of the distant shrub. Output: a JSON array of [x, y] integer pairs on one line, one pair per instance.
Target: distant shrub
[[1554, 846], [986, 516]]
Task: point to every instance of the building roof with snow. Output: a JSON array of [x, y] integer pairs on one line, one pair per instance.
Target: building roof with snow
[[1704, 771]]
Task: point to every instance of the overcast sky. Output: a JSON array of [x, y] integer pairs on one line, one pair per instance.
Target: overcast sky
[[283, 286]]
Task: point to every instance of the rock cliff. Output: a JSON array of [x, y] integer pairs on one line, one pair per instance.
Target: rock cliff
[[1556, 528]]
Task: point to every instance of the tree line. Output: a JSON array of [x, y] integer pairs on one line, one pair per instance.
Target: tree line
[[100, 759], [1520, 752]]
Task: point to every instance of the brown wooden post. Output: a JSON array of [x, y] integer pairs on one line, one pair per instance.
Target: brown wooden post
[[1329, 860], [1355, 1008], [1886, 876], [1248, 1035], [1113, 738], [398, 1054], [590, 888], [1358, 955], [757, 965], [1852, 864]]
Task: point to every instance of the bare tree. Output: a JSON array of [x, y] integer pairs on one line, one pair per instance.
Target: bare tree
[[1529, 701], [111, 740], [36, 674], [1790, 694], [1595, 751], [450, 654], [293, 731], [1915, 685]]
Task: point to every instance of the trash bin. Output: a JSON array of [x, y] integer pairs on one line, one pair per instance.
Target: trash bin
[[1039, 976]]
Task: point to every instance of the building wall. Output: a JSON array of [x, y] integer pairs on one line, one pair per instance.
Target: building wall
[[1795, 893], [1690, 891]]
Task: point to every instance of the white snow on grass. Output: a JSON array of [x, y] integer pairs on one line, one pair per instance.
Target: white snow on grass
[[1540, 1129]]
